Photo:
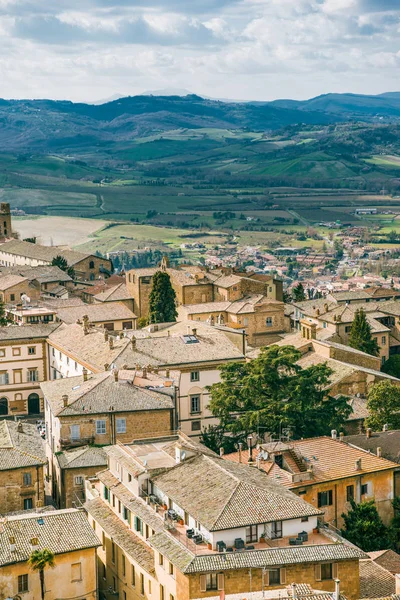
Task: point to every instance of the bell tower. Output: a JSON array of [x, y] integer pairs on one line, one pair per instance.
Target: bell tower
[[5, 221]]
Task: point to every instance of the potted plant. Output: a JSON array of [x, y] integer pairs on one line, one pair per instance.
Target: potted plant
[[262, 538], [209, 545]]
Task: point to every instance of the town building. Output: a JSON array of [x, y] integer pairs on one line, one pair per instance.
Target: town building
[[385, 443], [13, 287], [328, 473], [116, 294], [5, 222], [68, 535], [27, 314], [23, 366], [87, 267], [113, 316], [176, 522], [99, 410], [44, 281], [22, 461]]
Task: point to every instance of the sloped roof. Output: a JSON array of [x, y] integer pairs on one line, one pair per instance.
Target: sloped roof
[[388, 441], [20, 448], [388, 559], [59, 531], [96, 313], [375, 581], [44, 253], [99, 392], [9, 281], [224, 495], [121, 535], [80, 458], [118, 292], [27, 332]]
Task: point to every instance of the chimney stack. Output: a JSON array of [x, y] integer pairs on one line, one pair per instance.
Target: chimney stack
[[369, 432], [240, 451], [221, 451], [133, 343], [144, 373], [194, 331], [65, 400], [334, 434], [341, 436], [379, 452], [20, 427], [357, 464], [386, 427], [250, 446], [106, 366], [84, 374], [106, 335], [115, 374], [337, 589], [12, 543], [111, 343], [167, 373], [294, 591]]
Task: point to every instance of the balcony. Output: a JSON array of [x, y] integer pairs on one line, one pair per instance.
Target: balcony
[[67, 443]]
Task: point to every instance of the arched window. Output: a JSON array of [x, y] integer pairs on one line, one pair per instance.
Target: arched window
[[33, 404], [91, 264]]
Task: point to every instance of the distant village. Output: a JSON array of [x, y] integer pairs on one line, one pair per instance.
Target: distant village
[[226, 430]]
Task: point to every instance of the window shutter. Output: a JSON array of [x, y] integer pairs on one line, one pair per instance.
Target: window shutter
[[203, 583], [319, 499], [283, 576], [335, 570], [318, 573], [266, 580], [220, 581]]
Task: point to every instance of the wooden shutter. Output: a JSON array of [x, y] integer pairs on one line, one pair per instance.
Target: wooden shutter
[[283, 576], [220, 581], [335, 570], [266, 580], [318, 572], [203, 583], [319, 499]]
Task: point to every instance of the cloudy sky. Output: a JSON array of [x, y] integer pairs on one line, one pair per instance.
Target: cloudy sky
[[243, 49]]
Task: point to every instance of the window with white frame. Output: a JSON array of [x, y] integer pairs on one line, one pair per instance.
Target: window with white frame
[[195, 403], [75, 432], [79, 480], [195, 376], [268, 321], [121, 425], [100, 427]]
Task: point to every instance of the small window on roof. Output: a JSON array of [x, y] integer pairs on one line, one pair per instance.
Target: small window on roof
[[190, 339]]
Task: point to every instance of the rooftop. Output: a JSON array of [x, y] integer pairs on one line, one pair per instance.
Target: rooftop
[[375, 581], [80, 458], [388, 559], [27, 332], [43, 253], [59, 531], [96, 313], [388, 441], [9, 281], [20, 446], [118, 292]]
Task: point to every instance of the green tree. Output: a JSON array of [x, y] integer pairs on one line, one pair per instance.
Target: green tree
[[364, 527], [338, 246], [214, 437], [298, 293], [3, 319], [61, 262], [394, 530], [273, 392], [383, 403], [360, 336], [38, 561], [392, 366], [162, 300]]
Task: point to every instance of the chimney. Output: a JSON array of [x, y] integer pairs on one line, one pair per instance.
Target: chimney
[[379, 452], [221, 451], [189, 329], [12, 544], [20, 427], [111, 343], [85, 374], [115, 374], [194, 331], [106, 335], [167, 373], [334, 434], [240, 451], [144, 373], [250, 446], [65, 400], [341, 436], [369, 432], [133, 343], [294, 591], [357, 464], [337, 589], [106, 366], [34, 543], [385, 427]]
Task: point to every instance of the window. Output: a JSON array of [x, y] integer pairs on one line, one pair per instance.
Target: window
[[100, 427], [364, 489], [268, 321], [2, 352], [326, 571], [119, 506], [103, 540], [27, 479], [67, 360], [53, 352], [162, 592], [31, 350], [325, 498], [76, 572], [91, 264], [149, 586], [251, 533], [28, 503], [350, 493], [121, 425], [123, 565], [4, 378], [304, 519], [76, 366], [195, 403], [105, 493], [161, 560], [384, 340], [138, 525], [79, 480], [23, 583], [12, 297], [347, 329], [211, 581], [195, 376], [276, 529], [171, 569], [104, 571], [33, 375], [142, 584], [274, 577], [16, 351], [112, 552], [196, 425], [133, 576], [124, 595], [75, 433]]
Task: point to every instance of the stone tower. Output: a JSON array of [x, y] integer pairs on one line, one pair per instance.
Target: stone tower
[[5, 221]]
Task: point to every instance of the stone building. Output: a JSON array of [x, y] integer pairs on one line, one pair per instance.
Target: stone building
[[22, 460], [68, 535], [45, 281], [198, 285], [13, 287], [179, 523], [101, 409], [113, 316], [308, 469], [5, 222], [23, 366], [87, 267]]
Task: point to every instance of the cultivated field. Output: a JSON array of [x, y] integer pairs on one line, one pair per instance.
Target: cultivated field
[[57, 231]]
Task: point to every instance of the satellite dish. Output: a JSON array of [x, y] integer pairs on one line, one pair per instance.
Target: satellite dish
[[25, 299]]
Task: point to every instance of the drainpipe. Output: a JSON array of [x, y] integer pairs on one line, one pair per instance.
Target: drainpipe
[[336, 508]]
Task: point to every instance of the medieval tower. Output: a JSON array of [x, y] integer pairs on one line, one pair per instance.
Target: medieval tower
[[5, 221]]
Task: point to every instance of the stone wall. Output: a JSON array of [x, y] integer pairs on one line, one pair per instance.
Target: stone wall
[[13, 492]]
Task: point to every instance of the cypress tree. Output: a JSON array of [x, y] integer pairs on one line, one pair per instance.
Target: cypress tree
[[360, 336], [162, 307], [3, 318]]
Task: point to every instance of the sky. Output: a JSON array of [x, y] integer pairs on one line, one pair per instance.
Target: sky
[[89, 50]]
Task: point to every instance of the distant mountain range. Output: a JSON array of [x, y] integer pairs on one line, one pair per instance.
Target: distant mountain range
[[48, 125]]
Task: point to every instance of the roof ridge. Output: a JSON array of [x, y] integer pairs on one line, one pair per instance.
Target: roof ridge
[[101, 380]]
